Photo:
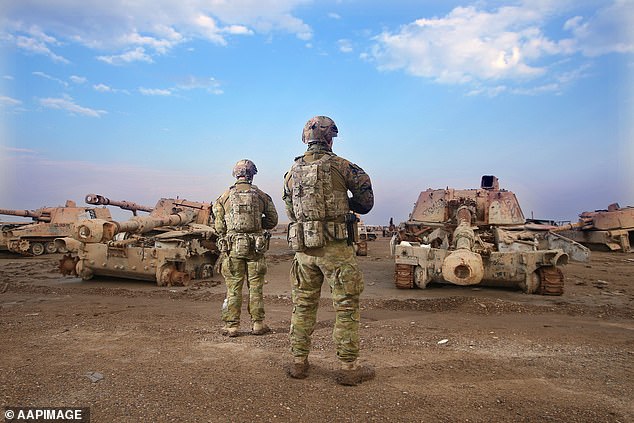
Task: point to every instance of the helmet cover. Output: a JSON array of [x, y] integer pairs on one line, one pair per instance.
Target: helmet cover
[[244, 168], [319, 129]]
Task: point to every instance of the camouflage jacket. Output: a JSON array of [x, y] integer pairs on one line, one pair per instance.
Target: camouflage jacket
[[346, 176], [222, 207]]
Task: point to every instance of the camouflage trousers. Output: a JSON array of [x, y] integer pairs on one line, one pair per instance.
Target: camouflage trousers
[[236, 271], [337, 264]]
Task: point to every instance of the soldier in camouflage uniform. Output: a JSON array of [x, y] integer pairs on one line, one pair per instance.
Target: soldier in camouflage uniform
[[319, 208], [241, 214]]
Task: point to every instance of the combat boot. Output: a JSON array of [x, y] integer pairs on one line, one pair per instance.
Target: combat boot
[[352, 374], [230, 331], [298, 369], [260, 328]]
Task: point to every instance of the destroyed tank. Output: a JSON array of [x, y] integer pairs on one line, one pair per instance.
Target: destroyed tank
[[37, 237], [611, 229], [479, 237], [174, 244]]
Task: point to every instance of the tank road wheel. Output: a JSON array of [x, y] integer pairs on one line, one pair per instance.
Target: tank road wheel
[[50, 247], [170, 276], [551, 281], [37, 249], [206, 271], [68, 265]]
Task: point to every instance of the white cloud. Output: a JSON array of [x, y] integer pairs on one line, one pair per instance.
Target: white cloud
[[611, 30], [18, 150], [78, 79], [210, 84], [136, 55], [345, 46], [8, 77], [155, 91], [103, 88], [49, 77], [154, 25], [37, 46], [68, 104], [333, 15], [474, 46], [8, 101]]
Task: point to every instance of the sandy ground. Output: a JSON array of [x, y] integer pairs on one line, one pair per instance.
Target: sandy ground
[[507, 356]]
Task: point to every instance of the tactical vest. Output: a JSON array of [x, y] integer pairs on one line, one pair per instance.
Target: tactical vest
[[244, 214], [314, 198]]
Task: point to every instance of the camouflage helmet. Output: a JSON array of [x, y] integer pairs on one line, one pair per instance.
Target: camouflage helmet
[[244, 168], [319, 129]]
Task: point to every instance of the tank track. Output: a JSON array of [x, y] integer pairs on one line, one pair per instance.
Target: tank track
[[404, 276], [551, 281]]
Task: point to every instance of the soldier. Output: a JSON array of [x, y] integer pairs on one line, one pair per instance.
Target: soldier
[[241, 214], [321, 232]]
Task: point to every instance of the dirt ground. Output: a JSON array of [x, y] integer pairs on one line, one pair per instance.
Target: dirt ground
[[442, 354]]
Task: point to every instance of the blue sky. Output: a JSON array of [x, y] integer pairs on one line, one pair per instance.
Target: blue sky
[[149, 99]]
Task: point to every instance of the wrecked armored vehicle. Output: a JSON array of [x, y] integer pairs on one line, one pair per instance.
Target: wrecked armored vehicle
[[479, 237], [38, 237], [611, 229], [174, 244]]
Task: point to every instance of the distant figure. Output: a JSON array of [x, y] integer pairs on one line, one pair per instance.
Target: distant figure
[[321, 232], [241, 214]]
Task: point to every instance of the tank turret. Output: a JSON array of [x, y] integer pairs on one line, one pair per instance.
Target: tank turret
[[611, 229], [479, 236]]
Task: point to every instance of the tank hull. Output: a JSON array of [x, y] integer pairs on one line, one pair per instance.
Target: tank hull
[[166, 263], [419, 265]]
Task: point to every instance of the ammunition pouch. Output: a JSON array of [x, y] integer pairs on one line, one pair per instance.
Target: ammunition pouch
[[295, 236], [261, 242], [223, 245], [244, 245], [314, 234], [241, 245]]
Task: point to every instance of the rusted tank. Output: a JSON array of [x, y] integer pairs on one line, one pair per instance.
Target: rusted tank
[[38, 237], [174, 244], [479, 237], [611, 229], [5, 232], [97, 199]]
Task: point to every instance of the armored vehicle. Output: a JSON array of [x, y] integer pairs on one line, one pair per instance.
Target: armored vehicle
[[174, 244], [611, 229], [38, 237], [479, 236]]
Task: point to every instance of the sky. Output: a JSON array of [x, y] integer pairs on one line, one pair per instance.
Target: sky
[[148, 99]]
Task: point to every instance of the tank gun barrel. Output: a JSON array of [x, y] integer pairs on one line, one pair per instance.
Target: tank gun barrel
[[571, 226], [463, 266], [125, 205], [34, 214], [97, 230]]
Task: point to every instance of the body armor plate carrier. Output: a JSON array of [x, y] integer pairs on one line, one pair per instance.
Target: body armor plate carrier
[[244, 214], [319, 209]]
